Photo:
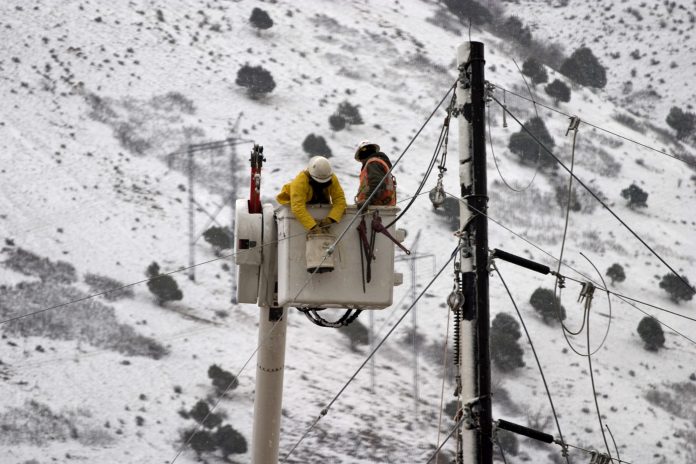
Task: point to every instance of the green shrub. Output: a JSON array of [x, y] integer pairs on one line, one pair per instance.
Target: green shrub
[[315, 145], [28, 263], [558, 91], [584, 68], [219, 237], [163, 286], [683, 122], [535, 70], [260, 19], [222, 380], [506, 352], [651, 333], [350, 113], [230, 441], [545, 303], [201, 413], [257, 80], [616, 273], [99, 284], [677, 289], [522, 144], [636, 196]]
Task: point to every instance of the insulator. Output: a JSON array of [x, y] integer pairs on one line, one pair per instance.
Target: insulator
[[455, 300], [437, 195]]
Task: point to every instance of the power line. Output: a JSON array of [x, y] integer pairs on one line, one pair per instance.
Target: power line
[[622, 297], [325, 410], [628, 139], [536, 358], [596, 197]]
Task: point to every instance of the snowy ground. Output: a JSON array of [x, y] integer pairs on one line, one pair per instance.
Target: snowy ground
[[87, 120]]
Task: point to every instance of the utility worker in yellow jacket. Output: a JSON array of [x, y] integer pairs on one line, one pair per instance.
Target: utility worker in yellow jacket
[[375, 166], [315, 185]]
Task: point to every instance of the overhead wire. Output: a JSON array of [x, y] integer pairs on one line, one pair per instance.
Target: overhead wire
[[596, 197], [589, 357], [536, 358], [622, 297], [628, 139], [326, 409], [596, 126]]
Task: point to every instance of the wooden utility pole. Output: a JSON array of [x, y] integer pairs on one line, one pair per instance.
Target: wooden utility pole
[[475, 374]]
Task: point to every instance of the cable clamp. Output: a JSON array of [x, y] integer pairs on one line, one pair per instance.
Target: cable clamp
[[471, 412], [574, 124], [587, 291], [599, 458], [564, 447]]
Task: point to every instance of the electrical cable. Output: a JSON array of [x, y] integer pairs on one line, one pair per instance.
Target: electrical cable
[[444, 135], [325, 410], [589, 358], [588, 451], [628, 139], [447, 437], [497, 166], [442, 390], [622, 297], [612, 439], [536, 358], [596, 197]]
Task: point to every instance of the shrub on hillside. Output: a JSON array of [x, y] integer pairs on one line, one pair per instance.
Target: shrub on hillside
[[257, 80], [681, 121], [584, 68], [163, 286], [523, 145], [219, 237], [337, 122], [230, 441], [636, 196], [28, 263], [546, 304], [350, 113], [201, 441], [616, 273], [315, 145], [469, 9], [514, 28], [677, 289], [99, 284], [562, 198], [260, 19], [506, 352], [200, 412], [222, 380], [651, 333], [535, 70], [558, 91]]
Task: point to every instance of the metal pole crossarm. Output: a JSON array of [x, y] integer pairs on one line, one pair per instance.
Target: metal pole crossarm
[[525, 431]]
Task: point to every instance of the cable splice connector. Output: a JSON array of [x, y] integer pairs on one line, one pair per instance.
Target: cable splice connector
[[573, 125]]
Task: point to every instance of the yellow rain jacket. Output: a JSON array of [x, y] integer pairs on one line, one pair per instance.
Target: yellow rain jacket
[[298, 192]]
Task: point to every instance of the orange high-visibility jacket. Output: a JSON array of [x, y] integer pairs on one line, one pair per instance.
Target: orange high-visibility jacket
[[371, 177]]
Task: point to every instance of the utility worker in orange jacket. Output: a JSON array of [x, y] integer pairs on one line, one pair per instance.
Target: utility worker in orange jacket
[[375, 166], [315, 185]]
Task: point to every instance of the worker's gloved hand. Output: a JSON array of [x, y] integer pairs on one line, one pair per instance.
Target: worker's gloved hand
[[360, 205], [326, 222], [314, 230]]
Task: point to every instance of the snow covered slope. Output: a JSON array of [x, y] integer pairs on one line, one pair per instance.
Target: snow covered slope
[[96, 95]]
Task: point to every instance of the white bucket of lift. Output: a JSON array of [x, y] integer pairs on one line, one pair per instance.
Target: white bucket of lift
[[316, 252]]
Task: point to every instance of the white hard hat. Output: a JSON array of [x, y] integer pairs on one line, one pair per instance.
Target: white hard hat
[[362, 146], [319, 169]]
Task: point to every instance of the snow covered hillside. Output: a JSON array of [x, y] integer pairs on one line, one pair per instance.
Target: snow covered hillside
[[98, 95]]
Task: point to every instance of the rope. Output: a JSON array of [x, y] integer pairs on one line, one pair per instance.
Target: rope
[[628, 139], [325, 410], [536, 358], [596, 197]]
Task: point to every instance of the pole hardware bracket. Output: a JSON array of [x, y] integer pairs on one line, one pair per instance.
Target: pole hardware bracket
[[600, 458], [471, 412], [573, 125], [587, 291]]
